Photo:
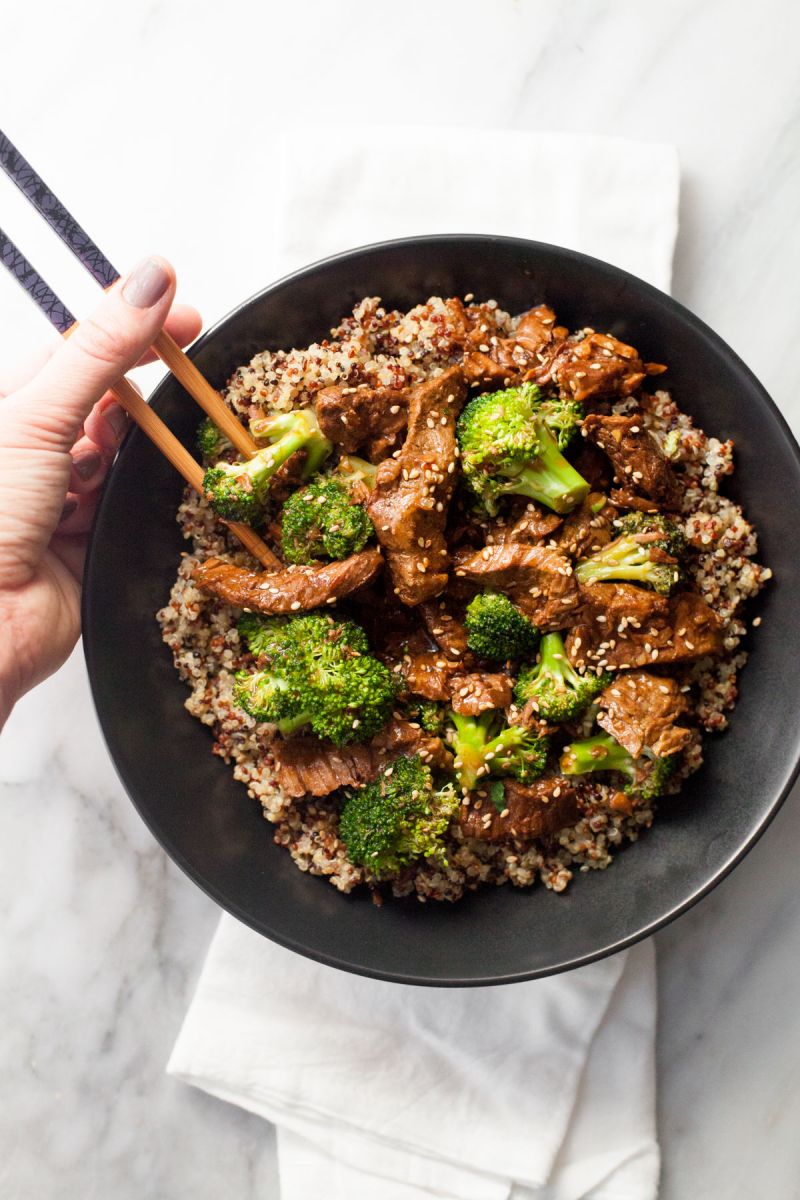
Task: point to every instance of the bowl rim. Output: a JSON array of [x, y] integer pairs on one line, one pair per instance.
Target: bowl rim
[[647, 290]]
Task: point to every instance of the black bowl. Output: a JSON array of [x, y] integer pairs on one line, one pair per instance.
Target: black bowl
[[206, 821]]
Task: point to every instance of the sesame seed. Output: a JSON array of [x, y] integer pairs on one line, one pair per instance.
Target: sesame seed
[[295, 605]]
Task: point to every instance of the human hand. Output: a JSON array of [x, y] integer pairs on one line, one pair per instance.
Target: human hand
[[59, 432]]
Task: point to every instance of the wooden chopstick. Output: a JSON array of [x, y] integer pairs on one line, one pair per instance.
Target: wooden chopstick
[[164, 439], [148, 421], [206, 396], [89, 254]]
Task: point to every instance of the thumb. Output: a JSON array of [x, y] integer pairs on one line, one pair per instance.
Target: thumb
[[99, 351]]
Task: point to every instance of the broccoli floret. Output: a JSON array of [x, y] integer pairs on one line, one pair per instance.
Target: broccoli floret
[[318, 673], [486, 745], [508, 447], [637, 554], [398, 818], [647, 776], [320, 521], [211, 442], [430, 715], [262, 635], [238, 491], [562, 417], [265, 695], [496, 628], [357, 475], [558, 690]]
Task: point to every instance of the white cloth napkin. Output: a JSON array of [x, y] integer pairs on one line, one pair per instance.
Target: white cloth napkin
[[381, 1091]]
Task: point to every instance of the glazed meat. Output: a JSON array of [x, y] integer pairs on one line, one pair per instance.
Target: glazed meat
[[534, 525], [596, 366], [362, 417], [623, 626], [308, 766], [292, 590], [588, 527], [446, 629], [429, 674], [538, 580], [635, 456], [412, 492], [474, 694], [532, 810], [641, 711]]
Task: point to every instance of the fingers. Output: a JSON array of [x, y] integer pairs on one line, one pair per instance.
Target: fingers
[[101, 349], [77, 514], [183, 324], [92, 454]]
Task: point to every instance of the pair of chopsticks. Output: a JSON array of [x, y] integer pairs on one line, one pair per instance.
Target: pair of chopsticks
[[100, 268]]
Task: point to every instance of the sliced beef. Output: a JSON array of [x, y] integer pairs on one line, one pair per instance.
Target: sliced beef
[[445, 627], [641, 711], [596, 365], [592, 464], [532, 810], [429, 674], [635, 456], [537, 331], [355, 418], [412, 492], [293, 589], [538, 580], [626, 499], [488, 357], [623, 626], [308, 766], [474, 694], [533, 525], [588, 527]]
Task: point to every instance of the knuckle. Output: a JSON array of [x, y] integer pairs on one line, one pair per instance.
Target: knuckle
[[105, 345]]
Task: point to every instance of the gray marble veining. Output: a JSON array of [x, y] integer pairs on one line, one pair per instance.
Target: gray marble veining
[[101, 937]]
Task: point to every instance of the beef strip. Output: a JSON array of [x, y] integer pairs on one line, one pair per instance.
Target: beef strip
[[429, 674], [487, 358], [594, 366], [538, 580], [446, 629], [532, 810], [537, 332], [592, 464], [408, 505], [306, 766], [471, 695], [645, 628], [585, 530], [293, 589], [641, 710], [626, 499], [534, 524], [635, 456], [354, 418]]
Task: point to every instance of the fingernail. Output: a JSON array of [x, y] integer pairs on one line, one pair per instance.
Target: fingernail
[[116, 420], [146, 284], [87, 465], [69, 508]]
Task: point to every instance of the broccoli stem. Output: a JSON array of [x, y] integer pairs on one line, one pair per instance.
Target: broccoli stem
[[290, 432], [599, 753], [476, 752], [549, 478], [554, 661]]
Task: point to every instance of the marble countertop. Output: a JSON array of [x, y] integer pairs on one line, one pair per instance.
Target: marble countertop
[[136, 114]]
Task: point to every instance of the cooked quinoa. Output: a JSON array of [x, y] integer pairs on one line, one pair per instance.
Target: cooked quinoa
[[386, 349]]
